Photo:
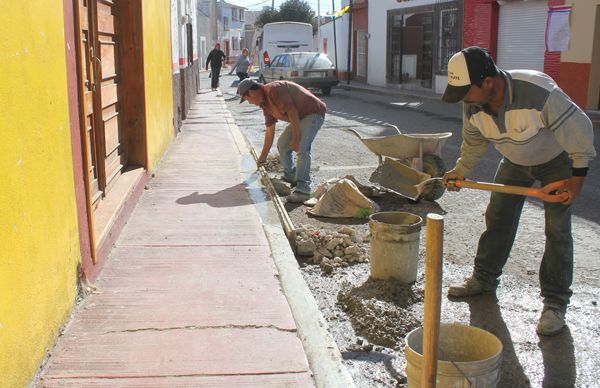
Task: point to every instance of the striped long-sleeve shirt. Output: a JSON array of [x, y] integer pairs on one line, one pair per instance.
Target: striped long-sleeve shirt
[[536, 123]]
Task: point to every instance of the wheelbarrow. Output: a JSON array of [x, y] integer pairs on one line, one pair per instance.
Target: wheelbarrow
[[406, 161]]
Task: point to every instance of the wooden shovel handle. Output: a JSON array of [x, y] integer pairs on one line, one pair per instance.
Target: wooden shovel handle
[[547, 193]]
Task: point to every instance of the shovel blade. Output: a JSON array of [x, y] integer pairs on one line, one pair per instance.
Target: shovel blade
[[400, 178]]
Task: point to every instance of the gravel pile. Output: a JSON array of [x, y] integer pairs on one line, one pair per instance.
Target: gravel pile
[[331, 249]]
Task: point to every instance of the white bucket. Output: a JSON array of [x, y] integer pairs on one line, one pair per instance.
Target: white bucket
[[468, 357], [395, 245]]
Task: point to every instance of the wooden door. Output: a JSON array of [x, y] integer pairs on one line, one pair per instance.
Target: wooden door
[[100, 74], [111, 128]]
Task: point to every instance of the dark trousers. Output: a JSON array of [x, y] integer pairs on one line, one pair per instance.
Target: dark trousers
[[242, 76], [215, 72], [502, 219]]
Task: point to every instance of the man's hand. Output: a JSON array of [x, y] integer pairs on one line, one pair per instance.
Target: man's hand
[[294, 145], [572, 186], [261, 162], [451, 175]]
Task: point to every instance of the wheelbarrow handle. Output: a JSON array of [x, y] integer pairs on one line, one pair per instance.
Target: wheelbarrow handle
[[548, 193]]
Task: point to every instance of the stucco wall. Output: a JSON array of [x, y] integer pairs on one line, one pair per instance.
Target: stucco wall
[[157, 78], [582, 22], [39, 244], [341, 35], [580, 64]]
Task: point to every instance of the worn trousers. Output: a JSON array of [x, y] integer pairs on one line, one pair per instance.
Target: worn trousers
[[299, 171], [502, 219], [215, 72]]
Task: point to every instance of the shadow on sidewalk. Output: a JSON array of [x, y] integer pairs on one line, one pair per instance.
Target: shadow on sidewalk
[[238, 195]]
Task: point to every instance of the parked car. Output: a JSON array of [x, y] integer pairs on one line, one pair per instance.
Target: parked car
[[309, 69]]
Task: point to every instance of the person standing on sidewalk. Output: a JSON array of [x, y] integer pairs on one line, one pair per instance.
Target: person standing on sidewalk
[[542, 136], [242, 65], [216, 57], [305, 113]]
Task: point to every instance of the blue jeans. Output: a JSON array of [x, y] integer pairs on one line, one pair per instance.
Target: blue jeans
[[502, 219], [300, 171]]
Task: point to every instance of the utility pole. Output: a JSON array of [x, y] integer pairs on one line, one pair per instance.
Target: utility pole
[[273, 5], [319, 25], [213, 22], [349, 41], [334, 37]]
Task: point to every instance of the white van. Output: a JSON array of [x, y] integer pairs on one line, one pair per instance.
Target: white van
[[281, 37]]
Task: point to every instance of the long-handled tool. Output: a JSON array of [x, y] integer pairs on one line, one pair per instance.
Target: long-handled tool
[[549, 193], [433, 298]]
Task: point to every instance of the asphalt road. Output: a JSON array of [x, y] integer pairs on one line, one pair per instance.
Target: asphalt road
[[570, 359]]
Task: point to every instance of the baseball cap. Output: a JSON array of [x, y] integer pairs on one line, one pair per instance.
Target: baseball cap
[[246, 85], [467, 67]]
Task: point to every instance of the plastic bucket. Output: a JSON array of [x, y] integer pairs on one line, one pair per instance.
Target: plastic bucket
[[467, 357], [395, 245]]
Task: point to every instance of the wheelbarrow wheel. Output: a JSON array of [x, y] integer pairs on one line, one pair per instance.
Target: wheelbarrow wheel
[[434, 166], [433, 192]]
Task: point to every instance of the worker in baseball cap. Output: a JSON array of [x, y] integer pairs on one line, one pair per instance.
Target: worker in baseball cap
[[291, 103], [468, 67], [542, 136]]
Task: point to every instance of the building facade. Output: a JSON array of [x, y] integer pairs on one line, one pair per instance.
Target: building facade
[[231, 29], [515, 33], [410, 50], [184, 54], [86, 94]]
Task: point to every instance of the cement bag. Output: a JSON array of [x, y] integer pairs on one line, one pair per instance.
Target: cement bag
[[341, 198]]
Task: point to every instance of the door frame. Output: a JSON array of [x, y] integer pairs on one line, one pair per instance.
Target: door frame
[[131, 55]]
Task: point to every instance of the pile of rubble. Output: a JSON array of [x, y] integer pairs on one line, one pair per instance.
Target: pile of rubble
[[330, 249]]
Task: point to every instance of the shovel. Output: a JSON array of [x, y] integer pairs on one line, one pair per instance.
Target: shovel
[[548, 193]]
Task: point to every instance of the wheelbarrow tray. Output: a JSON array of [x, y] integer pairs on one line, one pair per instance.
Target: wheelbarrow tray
[[406, 146]]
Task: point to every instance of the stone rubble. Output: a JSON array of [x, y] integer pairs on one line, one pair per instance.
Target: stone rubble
[[330, 249]]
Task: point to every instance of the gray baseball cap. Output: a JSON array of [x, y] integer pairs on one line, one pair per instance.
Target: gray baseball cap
[[246, 85]]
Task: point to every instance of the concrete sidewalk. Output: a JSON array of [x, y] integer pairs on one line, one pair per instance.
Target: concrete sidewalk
[[200, 288]]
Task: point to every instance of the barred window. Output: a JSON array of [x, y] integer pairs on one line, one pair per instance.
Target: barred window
[[448, 37]]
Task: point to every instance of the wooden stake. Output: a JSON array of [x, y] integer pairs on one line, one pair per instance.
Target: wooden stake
[[433, 291]]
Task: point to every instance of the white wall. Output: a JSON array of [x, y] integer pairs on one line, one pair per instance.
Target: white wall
[[175, 36], [378, 40], [341, 32]]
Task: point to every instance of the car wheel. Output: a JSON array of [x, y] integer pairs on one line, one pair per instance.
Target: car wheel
[[326, 90], [261, 79]]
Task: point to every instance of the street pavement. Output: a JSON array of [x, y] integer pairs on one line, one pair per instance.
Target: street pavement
[[200, 288]]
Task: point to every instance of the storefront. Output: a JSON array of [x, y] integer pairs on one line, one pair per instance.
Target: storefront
[[420, 41]]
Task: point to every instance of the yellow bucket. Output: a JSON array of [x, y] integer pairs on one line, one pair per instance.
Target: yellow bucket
[[468, 357]]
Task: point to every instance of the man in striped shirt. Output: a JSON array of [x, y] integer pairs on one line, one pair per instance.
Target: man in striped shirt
[[542, 136]]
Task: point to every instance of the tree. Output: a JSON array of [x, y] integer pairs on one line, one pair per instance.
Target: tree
[[289, 11], [267, 17]]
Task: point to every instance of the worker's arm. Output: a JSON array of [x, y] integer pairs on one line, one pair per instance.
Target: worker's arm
[[295, 124], [269, 136]]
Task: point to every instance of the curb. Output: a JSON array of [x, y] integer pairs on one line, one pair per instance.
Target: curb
[[323, 355]]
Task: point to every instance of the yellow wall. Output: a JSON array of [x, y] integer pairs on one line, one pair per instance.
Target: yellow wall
[[158, 80], [39, 246]]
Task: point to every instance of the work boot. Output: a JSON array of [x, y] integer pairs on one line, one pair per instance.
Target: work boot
[[470, 287], [288, 180], [297, 197], [551, 322]]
